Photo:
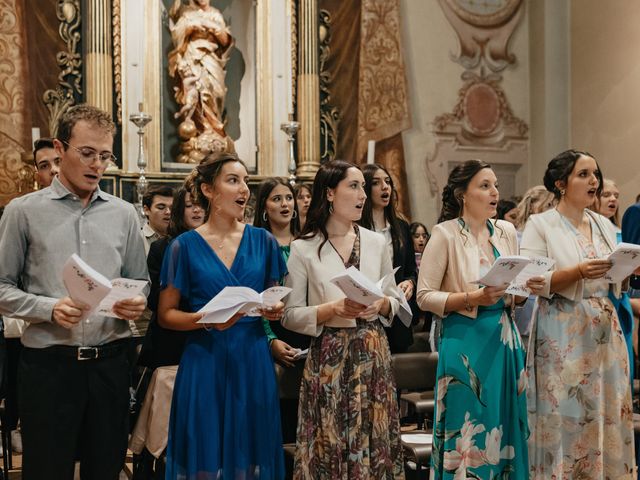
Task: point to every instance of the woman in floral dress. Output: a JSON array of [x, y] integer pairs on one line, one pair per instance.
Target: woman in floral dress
[[348, 426], [480, 427], [579, 394]]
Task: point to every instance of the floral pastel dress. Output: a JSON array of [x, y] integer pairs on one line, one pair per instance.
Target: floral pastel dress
[[480, 428], [579, 393], [348, 425]]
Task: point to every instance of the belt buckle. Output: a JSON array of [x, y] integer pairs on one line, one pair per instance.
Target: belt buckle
[[87, 353]]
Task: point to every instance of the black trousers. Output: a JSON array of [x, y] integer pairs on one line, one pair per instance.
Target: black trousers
[[70, 407]]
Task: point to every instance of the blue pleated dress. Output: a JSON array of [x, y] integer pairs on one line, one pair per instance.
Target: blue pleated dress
[[225, 419]]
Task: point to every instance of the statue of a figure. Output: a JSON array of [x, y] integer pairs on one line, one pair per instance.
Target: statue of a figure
[[202, 44]]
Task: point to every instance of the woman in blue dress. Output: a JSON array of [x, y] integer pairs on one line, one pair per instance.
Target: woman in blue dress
[[480, 426], [225, 421]]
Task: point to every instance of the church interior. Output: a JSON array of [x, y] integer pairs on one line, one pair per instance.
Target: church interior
[[418, 86]]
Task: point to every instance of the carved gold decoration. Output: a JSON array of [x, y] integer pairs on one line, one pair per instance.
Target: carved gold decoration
[[70, 62], [483, 30], [329, 115], [116, 23], [14, 117], [383, 106]]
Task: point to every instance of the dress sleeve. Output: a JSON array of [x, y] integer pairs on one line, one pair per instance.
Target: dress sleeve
[[534, 244], [276, 266], [175, 268], [433, 267]]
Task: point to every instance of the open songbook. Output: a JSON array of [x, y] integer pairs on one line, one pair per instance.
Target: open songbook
[[358, 288], [625, 259], [90, 287], [515, 271], [232, 300]]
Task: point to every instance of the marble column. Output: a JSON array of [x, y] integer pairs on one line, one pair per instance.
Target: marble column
[[308, 101], [98, 60]]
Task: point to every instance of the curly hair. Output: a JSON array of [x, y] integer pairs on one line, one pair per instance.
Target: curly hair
[[83, 113], [457, 184]]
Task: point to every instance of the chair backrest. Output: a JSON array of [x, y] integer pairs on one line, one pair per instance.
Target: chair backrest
[[415, 371], [289, 380]]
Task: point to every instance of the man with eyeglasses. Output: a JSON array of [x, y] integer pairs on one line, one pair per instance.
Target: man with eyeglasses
[[74, 374], [46, 160]]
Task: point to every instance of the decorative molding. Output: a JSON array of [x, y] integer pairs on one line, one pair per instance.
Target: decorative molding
[[116, 24], [482, 114], [329, 115], [483, 30], [70, 61]]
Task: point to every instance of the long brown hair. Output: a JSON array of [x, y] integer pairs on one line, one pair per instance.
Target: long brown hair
[[264, 190], [329, 176], [207, 171]]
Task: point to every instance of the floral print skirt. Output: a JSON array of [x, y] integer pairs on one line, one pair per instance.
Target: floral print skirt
[[480, 428], [348, 425], [579, 393]]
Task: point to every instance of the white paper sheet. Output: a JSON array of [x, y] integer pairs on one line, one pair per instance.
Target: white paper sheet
[[300, 354], [537, 267], [357, 287], [123, 289], [87, 285], [421, 438], [504, 270], [232, 300], [625, 258]]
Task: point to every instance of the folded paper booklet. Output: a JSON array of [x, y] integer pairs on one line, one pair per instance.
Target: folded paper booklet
[[625, 259], [357, 287], [90, 287], [232, 300], [504, 271], [300, 354], [537, 267]]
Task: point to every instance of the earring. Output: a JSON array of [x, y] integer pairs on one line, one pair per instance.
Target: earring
[[562, 192], [330, 208], [294, 214], [264, 216]]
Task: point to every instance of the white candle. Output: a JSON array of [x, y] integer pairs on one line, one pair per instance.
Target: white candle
[[35, 135], [371, 152]]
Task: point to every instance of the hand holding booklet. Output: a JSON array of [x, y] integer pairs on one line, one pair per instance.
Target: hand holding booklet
[[358, 288], [88, 286], [504, 271], [537, 267], [232, 300], [625, 259]]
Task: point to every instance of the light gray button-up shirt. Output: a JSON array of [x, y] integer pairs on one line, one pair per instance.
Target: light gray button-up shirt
[[38, 233]]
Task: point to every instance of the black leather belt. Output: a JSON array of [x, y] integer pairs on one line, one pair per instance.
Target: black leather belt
[[89, 353]]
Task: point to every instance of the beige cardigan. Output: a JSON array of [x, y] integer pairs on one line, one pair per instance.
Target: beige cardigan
[[451, 261], [309, 277], [547, 235]]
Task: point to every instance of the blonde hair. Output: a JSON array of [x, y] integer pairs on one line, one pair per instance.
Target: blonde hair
[[606, 182], [536, 196]]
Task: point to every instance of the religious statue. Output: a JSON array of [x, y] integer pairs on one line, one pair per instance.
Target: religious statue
[[202, 43]]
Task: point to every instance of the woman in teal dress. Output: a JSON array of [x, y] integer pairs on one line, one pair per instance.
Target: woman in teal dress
[[225, 421], [480, 424]]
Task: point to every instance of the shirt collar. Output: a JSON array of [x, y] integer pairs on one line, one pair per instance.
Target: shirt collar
[[59, 191]]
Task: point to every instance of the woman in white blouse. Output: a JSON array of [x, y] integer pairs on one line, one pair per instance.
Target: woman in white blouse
[[348, 423]]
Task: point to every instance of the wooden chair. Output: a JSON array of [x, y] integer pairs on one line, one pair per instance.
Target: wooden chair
[[416, 372]]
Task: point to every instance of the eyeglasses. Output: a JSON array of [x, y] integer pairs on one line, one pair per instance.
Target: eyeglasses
[[88, 155]]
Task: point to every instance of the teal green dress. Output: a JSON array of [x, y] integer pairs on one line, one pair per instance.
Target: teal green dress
[[480, 420]]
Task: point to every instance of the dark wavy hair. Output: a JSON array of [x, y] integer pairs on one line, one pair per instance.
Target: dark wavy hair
[[390, 214], [413, 228], [329, 176], [264, 190], [505, 206], [457, 184], [176, 222], [207, 171], [560, 168]]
